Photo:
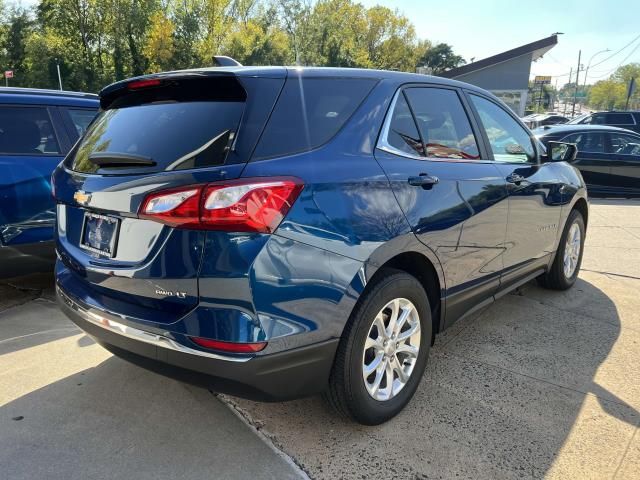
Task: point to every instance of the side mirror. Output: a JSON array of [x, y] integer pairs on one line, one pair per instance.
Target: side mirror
[[561, 152]]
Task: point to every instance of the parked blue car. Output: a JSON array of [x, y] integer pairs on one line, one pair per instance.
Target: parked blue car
[[279, 232], [37, 129]]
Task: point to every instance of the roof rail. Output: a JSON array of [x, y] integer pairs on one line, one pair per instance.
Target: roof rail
[[42, 91], [224, 61]]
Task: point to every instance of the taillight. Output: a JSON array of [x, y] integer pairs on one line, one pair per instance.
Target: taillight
[[231, 347], [248, 205], [176, 207]]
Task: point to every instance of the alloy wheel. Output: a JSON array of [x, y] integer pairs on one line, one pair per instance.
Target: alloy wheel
[[391, 349], [572, 250]]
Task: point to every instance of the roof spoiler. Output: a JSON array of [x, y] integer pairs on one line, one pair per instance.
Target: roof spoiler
[[224, 61]]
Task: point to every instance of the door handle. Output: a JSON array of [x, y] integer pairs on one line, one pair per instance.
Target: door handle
[[515, 178], [423, 180]]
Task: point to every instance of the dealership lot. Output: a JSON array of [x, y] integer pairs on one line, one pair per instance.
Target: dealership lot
[[540, 384]]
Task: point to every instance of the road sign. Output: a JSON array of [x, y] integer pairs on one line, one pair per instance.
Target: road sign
[[8, 74], [542, 80]]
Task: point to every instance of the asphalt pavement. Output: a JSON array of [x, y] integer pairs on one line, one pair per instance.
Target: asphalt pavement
[[539, 385]]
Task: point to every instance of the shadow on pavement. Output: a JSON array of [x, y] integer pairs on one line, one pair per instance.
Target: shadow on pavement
[[119, 421], [508, 394]]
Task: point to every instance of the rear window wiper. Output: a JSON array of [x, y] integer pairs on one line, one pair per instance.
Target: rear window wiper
[[114, 160]]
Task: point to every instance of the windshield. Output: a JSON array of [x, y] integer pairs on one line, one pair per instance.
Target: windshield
[[171, 136]]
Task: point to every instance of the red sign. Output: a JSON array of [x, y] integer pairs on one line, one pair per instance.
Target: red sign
[[8, 74]]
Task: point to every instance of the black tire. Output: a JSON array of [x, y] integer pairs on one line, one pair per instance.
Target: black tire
[[347, 393], [555, 278]]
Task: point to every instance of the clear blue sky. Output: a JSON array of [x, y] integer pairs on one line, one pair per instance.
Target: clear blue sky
[[477, 28]]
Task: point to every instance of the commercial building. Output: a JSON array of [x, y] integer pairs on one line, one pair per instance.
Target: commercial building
[[506, 74]]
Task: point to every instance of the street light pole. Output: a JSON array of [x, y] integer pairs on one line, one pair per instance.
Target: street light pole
[[586, 73], [575, 92], [59, 76]]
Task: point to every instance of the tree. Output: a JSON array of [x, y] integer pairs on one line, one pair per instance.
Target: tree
[[608, 94], [20, 25], [440, 58], [296, 19], [96, 42], [625, 73], [391, 40], [252, 44], [159, 48]]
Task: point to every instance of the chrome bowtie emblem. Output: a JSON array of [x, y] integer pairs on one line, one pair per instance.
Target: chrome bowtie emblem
[[82, 197]]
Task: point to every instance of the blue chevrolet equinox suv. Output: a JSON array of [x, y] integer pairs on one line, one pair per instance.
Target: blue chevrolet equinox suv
[[37, 129], [276, 232]]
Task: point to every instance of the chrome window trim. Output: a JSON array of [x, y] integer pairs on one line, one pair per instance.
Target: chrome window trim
[[383, 143], [140, 335], [385, 146]]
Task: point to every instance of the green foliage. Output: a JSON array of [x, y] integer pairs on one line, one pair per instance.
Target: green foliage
[[97, 42], [440, 58], [612, 93]]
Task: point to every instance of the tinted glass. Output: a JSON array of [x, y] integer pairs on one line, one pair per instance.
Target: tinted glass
[[403, 133], [81, 118], [592, 142], [443, 123], [27, 131], [175, 135], [309, 112], [509, 141], [624, 144], [619, 119], [598, 119]]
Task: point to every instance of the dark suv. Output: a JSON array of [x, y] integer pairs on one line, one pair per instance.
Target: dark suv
[[279, 232], [37, 129], [621, 119]]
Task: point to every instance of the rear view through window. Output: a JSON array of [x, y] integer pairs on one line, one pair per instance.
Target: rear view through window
[[309, 112]]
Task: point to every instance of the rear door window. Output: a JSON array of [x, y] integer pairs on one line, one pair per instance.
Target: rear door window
[[402, 134], [27, 131], [443, 123], [309, 112]]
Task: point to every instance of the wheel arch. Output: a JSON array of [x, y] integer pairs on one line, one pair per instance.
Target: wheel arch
[[420, 267], [414, 262], [582, 206]]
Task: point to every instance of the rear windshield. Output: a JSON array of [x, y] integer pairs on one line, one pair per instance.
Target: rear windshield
[[167, 135], [309, 112]]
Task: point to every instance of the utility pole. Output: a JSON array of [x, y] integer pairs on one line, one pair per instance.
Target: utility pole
[[575, 93], [564, 111]]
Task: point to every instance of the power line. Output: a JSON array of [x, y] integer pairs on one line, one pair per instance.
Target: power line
[[609, 57], [617, 52], [618, 66]]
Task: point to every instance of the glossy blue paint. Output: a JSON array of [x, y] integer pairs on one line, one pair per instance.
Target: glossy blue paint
[[27, 209], [357, 212]]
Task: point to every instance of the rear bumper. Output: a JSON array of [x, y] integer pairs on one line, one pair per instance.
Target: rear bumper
[[270, 377]]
